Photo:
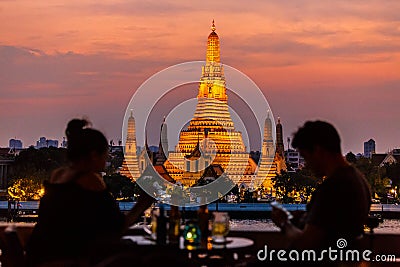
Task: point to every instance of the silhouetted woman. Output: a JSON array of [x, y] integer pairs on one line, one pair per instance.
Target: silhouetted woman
[[77, 212]]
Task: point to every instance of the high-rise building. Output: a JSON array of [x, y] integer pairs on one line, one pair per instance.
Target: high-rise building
[[43, 142], [294, 160], [130, 165], [369, 148], [15, 144], [64, 143]]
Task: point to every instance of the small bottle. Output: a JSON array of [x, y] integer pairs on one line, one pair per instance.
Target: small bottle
[[174, 225], [191, 233], [161, 227], [203, 218]]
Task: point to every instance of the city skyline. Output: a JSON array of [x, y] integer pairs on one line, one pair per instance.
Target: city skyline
[[312, 60]]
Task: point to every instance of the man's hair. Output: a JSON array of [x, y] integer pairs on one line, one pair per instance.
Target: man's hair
[[317, 133]]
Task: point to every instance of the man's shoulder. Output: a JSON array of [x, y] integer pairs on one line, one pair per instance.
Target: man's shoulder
[[346, 174], [348, 181], [345, 179]]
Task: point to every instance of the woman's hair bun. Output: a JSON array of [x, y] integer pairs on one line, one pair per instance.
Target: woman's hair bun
[[75, 126], [82, 140]]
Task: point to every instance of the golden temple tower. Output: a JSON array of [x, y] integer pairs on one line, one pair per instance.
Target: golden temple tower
[[211, 132], [130, 166], [272, 160], [267, 168]]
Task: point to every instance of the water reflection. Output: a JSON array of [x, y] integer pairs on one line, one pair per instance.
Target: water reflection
[[388, 226]]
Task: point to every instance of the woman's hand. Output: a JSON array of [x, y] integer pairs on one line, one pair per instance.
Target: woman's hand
[[144, 201]]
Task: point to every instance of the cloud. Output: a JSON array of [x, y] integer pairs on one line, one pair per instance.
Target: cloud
[[288, 50], [388, 30], [31, 73], [359, 48], [125, 8], [41, 91], [82, 57]]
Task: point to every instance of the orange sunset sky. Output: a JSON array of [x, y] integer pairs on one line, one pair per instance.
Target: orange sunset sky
[[332, 60]]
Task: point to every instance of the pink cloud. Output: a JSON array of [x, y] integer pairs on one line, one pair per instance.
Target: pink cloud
[[336, 60]]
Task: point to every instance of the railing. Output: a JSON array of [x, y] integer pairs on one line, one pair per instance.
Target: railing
[[34, 205]]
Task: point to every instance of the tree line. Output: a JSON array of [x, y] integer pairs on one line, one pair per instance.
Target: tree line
[[32, 166]]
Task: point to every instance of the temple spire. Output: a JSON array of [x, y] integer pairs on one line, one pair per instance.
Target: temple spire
[[213, 46], [279, 139], [162, 153], [145, 140], [130, 166]]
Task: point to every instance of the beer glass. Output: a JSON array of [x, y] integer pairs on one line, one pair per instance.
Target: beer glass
[[220, 227]]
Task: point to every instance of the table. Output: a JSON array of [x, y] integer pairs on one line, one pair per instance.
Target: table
[[232, 242], [235, 250]]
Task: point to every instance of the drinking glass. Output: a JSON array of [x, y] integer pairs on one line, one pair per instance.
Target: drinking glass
[[153, 225], [147, 220], [220, 227]]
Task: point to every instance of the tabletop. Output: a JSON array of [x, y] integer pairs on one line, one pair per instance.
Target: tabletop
[[231, 242]]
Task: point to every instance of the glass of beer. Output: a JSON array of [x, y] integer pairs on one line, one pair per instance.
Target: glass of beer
[[220, 227], [154, 215]]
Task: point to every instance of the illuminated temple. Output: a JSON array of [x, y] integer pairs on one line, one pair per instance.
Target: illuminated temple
[[210, 144], [130, 166], [210, 137]]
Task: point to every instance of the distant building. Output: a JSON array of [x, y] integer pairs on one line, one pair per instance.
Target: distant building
[[15, 144], [381, 160], [294, 160], [146, 156], [396, 151], [64, 143], [43, 142], [153, 149], [6, 160], [116, 149], [359, 155], [369, 148]]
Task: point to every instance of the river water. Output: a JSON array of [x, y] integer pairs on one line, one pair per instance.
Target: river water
[[388, 226]]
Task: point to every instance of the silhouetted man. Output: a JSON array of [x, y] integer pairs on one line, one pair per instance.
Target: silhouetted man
[[339, 207]]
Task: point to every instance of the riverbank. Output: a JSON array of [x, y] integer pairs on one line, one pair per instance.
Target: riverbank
[[27, 210]]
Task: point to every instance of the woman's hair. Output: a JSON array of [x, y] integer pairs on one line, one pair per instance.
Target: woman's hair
[[83, 140]]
